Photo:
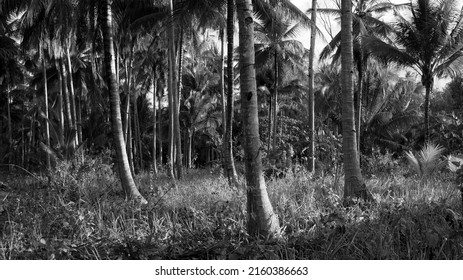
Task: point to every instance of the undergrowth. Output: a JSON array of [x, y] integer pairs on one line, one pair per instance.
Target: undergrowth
[[79, 212]]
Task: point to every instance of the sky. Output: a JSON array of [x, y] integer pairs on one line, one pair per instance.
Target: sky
[[304, 5]]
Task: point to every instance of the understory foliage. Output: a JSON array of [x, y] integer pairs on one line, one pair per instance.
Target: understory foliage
[[78, 212]]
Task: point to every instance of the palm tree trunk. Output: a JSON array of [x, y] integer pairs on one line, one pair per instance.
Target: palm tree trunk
[[354, 186], [10, 130], [311, 162], [72, 95], [171, 88], [127, 182], [275, 101], [222, 97], [358, 102], [60, 106], [137, 134], [178, 136], [67, 107], [79, 118], [190, 145], [229, 161], [155, 87], [160, 127], [128, 77], [261, 218], [428, 84], [270, 121], [45, 91]]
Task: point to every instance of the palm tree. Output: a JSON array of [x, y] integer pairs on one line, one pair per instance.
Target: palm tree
[[354, 186], [128, 184], [277, 44], [261, 218], [311, 166], [391, 108], [365, 22], [431, 43]]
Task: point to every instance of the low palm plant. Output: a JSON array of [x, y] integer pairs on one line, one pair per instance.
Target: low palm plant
[[427, 161]]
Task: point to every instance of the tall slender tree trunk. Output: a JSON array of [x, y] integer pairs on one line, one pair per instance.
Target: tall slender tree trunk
[[67, 108], [127, 86], [190, 146], [311, 150], [136, 131], [60, 106], [354, 186], [171, 85], [270, 121], [222, 96], [10, 129], [178, 135], [127, 182], [155, 88], [160, 128], [275, 101], [45, 92], [72, 95], [261, 218], [229, 161], [358, 104], [427, 82], [79, 118], [129, 143]]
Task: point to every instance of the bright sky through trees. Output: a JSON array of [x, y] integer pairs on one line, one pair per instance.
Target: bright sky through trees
[[334, 26]]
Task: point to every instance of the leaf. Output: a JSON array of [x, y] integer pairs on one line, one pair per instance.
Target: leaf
[[427, 161]]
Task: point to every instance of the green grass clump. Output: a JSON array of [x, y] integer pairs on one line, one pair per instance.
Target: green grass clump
[[79, 212]]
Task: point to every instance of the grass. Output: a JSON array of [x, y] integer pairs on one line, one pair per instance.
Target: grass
[[78, 212]]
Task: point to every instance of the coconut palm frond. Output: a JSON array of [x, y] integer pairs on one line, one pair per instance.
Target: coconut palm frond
[[427, 161], [413, 162], [430, 158]]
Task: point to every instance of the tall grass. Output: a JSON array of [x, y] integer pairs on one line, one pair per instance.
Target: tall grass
[[79, 213]]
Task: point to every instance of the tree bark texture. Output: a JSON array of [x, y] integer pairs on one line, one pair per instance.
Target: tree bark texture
[[127, 182], [261, 218], [178, 136], [311, 165], [47, 125], [155, 89], [354, 186], [171, 87], [229, 160]]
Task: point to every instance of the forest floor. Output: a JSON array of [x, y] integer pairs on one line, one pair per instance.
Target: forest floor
[[79, 212]]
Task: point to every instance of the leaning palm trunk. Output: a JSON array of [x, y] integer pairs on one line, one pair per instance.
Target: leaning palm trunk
[[354, 186], [311, 165], [127, 182], [261, 218]]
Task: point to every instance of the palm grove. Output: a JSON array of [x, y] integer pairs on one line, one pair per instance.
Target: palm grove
[[77, 79]]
